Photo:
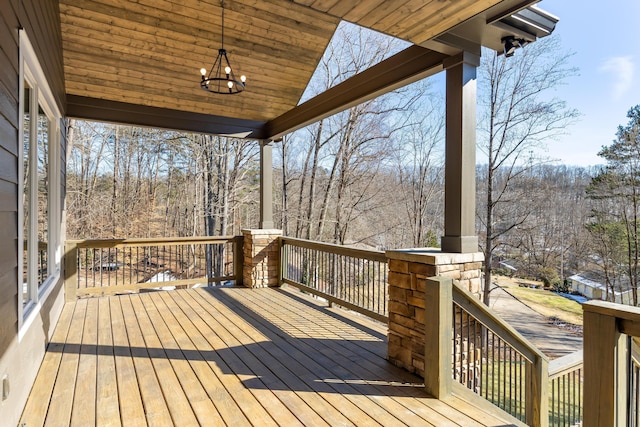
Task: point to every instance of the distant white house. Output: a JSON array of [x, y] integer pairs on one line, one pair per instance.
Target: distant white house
[[592, 288]]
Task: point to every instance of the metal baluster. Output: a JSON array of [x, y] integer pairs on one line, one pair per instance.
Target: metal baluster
[[560, 392], [556, 399], [458, 340], [298, 264], [377, 286], [565, 402], [502, 374], [102, 267], [510, 379], [518, 390], [574, 384], [453, 343], [354, 281], [477, 364], [348, 266], [470, 352], [493, 367], [85, 253], [485, 369]]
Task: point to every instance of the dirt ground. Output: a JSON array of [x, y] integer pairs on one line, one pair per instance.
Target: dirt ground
[[552, 340]]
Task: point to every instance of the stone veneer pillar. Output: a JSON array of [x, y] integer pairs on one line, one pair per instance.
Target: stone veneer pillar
[[408, 271], [261, 258]]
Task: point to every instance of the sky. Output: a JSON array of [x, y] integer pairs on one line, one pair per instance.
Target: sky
[[605, 37]]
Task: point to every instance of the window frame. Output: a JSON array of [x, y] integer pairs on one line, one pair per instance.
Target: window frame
[[41, 97]]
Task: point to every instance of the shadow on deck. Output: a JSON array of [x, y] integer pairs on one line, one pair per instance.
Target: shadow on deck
[[228, 356]]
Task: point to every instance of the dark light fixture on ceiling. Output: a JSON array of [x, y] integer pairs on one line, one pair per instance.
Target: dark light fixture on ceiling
[[221, 78], [511, 43]]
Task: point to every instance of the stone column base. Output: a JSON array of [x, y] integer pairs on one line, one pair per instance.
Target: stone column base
[[261, 258], [408, 271]]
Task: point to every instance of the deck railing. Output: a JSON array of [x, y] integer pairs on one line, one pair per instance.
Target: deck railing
[[103, 267], [566, 390], [493, 360], [466, 342], [611, 364], [352, 278]]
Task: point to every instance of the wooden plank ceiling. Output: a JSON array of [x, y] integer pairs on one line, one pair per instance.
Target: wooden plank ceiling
[[149, 52]]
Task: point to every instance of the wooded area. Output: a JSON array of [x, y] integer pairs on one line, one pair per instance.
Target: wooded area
[[373, 175]]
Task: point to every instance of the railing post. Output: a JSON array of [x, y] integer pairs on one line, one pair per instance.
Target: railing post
[[70, 271], [238, 259], [537, 399], [261, 258], [605, 369], [438, 336]]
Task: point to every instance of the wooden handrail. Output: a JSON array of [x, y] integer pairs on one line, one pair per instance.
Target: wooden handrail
[[565, 364], [501, 328], [627, 317], [336, 249], [167, 241]]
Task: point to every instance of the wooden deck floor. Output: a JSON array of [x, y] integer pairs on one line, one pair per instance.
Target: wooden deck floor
[[227, 356]]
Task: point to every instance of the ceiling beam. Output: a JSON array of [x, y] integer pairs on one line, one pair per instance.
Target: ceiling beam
[[140, 115], [401, 69]]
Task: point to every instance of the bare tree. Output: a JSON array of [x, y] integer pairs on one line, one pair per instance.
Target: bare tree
[[419, 171], [519, 116]]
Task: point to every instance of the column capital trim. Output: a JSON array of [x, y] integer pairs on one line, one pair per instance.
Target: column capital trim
[[467, 58], [434, 256]]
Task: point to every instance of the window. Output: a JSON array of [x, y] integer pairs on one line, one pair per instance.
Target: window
[[38, 212]]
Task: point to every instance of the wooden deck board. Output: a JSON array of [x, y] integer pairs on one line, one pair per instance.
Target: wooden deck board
[[193, 390], [129, 392], [175, 397], [260, 365], [401, 402], [371, 365], [108, 409], [61, 402], [228, 356], [36, 408], [318, 395], [155, 408], [228, 363], [305, 366], [216, 391], [84, 398]]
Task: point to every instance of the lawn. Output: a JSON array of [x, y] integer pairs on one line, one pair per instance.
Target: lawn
[[544, 302]]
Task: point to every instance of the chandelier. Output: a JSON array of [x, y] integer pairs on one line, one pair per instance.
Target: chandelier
[[221, 78]]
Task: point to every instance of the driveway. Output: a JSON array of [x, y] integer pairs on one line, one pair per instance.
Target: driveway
[[552, 340]]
